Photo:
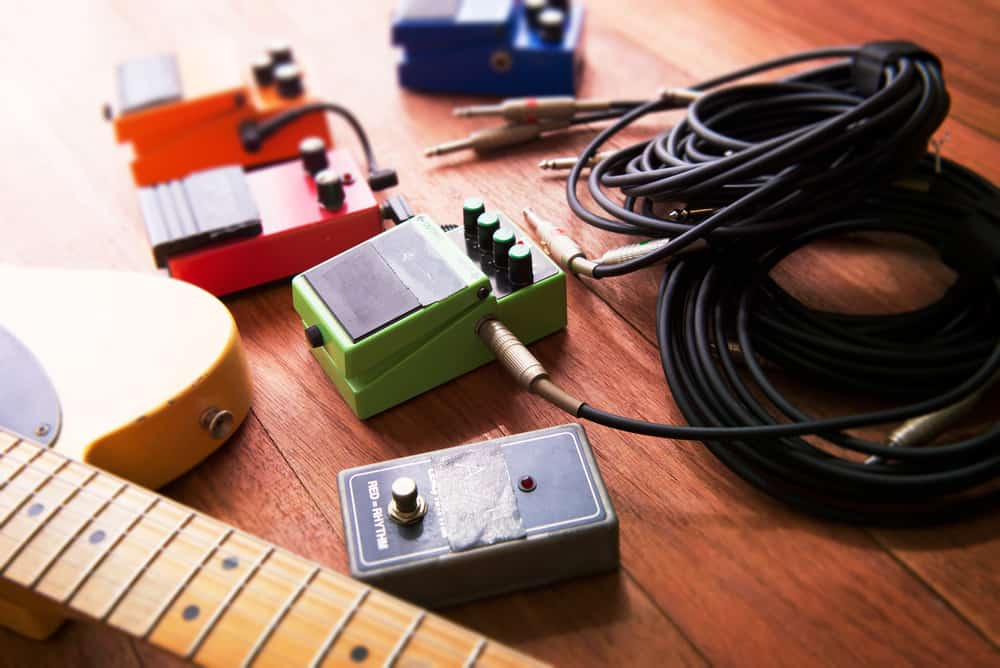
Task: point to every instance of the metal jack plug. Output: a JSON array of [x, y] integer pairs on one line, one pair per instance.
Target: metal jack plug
[[495, 138], [560, 246]]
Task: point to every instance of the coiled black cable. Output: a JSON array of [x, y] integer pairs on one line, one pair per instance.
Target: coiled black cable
[[759, 159], [756, 171], [720, 309]]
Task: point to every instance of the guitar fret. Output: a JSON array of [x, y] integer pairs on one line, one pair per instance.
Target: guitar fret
[[127, 586], [112, 545], [279, 616], [339, 628], [477, 652], [75, 535], [26, 566], [226, 602], [184, 583], [397, 651], [22, 528], [138, 541], [22, 468], [8, 442]]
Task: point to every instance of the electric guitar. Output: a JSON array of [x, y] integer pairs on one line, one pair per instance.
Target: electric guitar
[[76, 540]]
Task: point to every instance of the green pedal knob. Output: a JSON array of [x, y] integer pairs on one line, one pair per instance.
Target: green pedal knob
[[503, 241], [471, 210], [519, 270], [398, 313], [488, 224]]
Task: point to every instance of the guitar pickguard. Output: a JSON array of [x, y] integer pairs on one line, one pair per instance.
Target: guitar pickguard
[[29, 405]]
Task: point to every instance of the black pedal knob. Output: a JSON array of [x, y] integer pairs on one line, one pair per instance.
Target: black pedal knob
[[280, 53], [471, 210], [487, 224], [519, 270], [330, 190], [263, 70], [503, 241], [312, 150], [551, 24], [289, 79], [533, 8]]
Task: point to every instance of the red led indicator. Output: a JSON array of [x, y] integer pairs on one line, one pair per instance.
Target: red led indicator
[[526, 484]]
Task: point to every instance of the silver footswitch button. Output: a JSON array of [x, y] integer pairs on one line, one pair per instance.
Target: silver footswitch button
[[407, 506]]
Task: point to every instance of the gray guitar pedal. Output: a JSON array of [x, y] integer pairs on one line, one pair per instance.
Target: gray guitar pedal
[[481, 519]]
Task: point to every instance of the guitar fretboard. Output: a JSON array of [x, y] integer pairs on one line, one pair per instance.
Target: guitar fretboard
[[122, 555]]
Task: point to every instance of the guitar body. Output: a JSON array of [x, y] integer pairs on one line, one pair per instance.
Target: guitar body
[[149, 373]]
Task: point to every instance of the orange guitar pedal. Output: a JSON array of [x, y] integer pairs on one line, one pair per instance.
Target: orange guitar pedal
[[182, 114], [225, 229]]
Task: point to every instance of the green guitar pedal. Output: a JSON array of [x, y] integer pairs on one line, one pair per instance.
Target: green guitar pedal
[[396, 315]]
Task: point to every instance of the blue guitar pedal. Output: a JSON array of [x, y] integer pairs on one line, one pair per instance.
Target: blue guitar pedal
[[490, 47]]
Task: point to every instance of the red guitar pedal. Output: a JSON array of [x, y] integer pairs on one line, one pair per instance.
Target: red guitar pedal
[[226, 230], [187, 113]]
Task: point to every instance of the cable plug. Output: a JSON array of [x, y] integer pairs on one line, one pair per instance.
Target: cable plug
[[570, 161], [491, 139], [396, 209], [533, 109], [380, 179], [563, 250]]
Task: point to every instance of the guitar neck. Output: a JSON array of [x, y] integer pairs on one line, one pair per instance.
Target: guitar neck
[[107, 550]]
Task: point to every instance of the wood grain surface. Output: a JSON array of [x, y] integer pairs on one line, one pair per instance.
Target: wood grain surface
[[712, 571]]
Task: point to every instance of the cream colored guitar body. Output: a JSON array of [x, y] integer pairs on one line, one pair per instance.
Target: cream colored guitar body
[[150, 375]]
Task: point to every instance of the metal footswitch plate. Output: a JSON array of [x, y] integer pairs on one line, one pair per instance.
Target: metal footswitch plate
[[477, 520]]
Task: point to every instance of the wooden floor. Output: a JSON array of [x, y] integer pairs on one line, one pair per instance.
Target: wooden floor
[[712, 571]]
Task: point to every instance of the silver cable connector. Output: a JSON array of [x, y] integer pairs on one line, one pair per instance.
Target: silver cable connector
[[532, 109], [491, 139], [529, 373], [923, 429], [563, 250], [679, 96], [637, 250], [570, 162]]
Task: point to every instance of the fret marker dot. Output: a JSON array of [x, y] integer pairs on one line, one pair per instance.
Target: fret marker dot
[[229, 563], [359, 653], [35, 509], [97, 537], [190, 612]]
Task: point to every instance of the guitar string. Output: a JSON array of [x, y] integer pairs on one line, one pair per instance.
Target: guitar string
[[360, 611], [180, 534]]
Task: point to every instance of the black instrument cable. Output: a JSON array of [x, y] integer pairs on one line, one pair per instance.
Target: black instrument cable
[[718, 313], [772, 168], [759, 159], [254, 133]]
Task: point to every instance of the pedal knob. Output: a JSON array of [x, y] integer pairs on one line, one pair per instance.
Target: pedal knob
[[519, 270], [487, 224], [503, 241], [551, 23], [330, 190], [263, 70], [280, 53], [533, 8], [312, 150], [471, 210], [407, 506], [289, 79]]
